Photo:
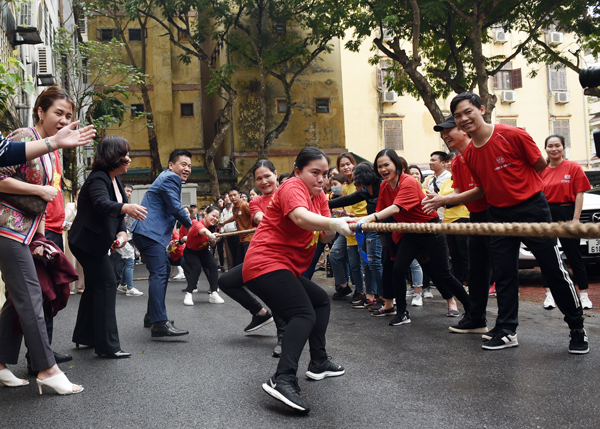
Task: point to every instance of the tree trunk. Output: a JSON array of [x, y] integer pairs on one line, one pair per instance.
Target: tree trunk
[[489, 100], [156, 166]]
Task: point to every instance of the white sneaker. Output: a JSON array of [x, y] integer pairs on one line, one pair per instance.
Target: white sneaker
[[410, 292], [134, 292], [586, 303], [122, 289], [179, 276], [215, 298], [549, 303], [427, 293], [188, 299], [417, 301]]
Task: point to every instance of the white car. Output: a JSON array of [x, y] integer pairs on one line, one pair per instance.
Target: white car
[[590, 247]]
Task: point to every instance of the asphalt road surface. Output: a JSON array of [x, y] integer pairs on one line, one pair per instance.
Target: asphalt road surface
[[410, 376]]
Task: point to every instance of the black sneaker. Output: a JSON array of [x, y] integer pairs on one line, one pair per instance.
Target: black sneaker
[[378, 304], [468, 326], [357, 298], [258, 321], [490, 334], [381, 312], [579, 342], [502, 340], [400, 319], [342, 292], [286, 391], [365, 303], [328, 369]]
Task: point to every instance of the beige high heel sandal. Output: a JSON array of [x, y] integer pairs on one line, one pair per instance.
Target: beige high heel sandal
[[9, 380], [60, 383]]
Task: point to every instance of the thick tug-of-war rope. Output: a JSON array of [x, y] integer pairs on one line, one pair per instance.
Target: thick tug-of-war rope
[[561, 229], [231, 234]]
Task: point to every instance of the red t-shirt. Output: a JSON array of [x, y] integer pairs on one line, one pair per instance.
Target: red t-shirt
[[177, 249], [564, 182], [259, 204], [195, 241], [463, 180], [503, 166], [55, 210], [407, 195], [278, 243]]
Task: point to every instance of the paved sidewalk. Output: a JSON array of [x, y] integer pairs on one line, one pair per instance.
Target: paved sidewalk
[[413, 376]]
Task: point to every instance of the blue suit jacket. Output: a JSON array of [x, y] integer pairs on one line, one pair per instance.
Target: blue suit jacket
[[163, 201]]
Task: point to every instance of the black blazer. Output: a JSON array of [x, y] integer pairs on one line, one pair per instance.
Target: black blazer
[[98, 218]]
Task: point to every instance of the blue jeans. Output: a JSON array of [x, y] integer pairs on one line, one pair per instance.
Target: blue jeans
[[158, 267], [127, 277], [416, 273], [338, 255], [374, 269], [311, 268]]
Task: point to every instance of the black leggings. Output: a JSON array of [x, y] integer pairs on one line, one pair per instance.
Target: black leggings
[[304, 306], [195, 260], [431, 251], [232, 284]]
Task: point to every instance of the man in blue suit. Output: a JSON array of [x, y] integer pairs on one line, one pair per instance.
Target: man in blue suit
[[151, 237]]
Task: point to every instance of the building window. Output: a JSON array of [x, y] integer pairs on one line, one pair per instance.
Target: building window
[[280, 28], [183, 36], [281, 105], [561, 127], [187, 110], [107, 34], [84, 71], [135, 34], [392, 134], [136, 109], [558, 78], [508, 121], [322, 105], [507, 78]]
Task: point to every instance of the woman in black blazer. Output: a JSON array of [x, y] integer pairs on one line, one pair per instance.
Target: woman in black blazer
[[101, 208]]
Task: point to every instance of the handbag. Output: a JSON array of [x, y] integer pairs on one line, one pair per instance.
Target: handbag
[[29, 204]]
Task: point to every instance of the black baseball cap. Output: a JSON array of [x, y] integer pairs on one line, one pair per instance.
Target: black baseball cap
[[448, 123], [193, 205]]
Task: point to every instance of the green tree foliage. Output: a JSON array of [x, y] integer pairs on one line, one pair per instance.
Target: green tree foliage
[[13, 80], [437, 45]]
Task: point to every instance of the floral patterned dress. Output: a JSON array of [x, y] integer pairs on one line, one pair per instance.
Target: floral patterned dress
[[15, 224]]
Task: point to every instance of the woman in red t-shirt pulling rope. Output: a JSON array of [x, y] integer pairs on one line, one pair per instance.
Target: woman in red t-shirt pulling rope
[[232, 282], [197, 255], [280, 251], [564, 185], [400, 196]]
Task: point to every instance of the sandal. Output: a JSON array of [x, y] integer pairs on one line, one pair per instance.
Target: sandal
[[60, 383], [9, 380]]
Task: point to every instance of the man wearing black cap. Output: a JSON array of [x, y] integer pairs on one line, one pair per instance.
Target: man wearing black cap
[[467, 192], [194, 209]]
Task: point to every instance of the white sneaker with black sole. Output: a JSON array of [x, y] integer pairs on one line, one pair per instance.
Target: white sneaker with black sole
[[122, 289], [327, 369], [502, 340], [549, 303], [288, 392]]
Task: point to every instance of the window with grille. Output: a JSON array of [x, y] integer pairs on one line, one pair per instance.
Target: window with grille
[[135, 34], [187, 110], [392, 134], [106, 34], [322, 105], [561, 127], [183, 36], [558, 78], [281, 105], [136, 109]]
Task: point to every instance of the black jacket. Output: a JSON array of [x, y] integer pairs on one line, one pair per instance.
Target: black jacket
[[357, 197], [98, 218]]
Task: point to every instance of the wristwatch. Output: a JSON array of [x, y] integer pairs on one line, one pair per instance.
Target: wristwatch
[[49, 145]]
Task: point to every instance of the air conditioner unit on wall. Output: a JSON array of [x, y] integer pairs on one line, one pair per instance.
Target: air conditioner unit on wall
[[509, 96], [45, 63], [561, 97], [500, 37], [555, 38], [390, 97]]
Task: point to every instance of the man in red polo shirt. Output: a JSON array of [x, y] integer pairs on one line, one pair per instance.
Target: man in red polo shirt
[[467, 192], [506, 162]]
